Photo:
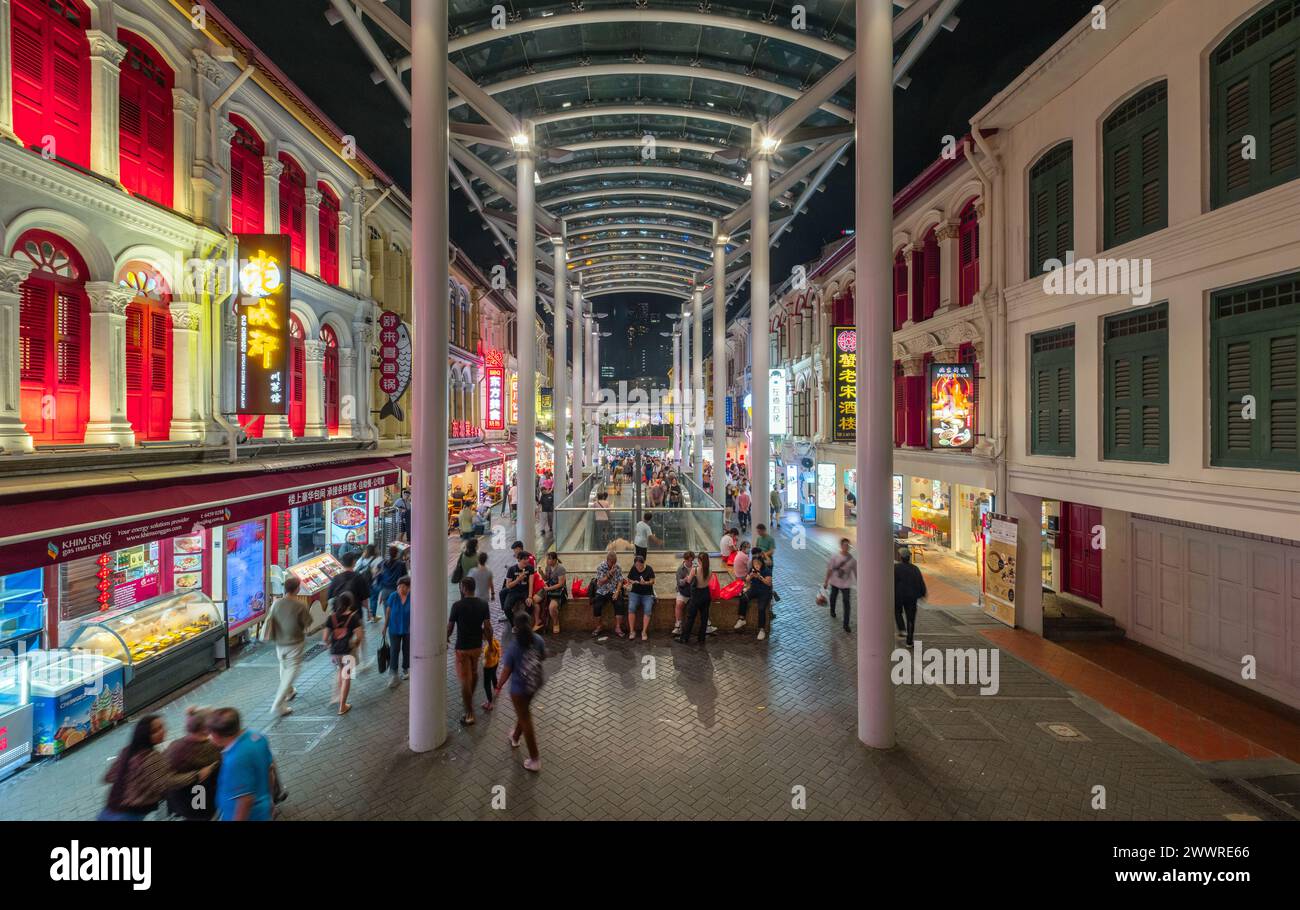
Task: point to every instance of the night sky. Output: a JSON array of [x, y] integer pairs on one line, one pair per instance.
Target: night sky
[[956, 76]]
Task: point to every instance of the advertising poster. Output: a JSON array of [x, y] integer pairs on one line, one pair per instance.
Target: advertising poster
[[394, 362], [952, 405], [1000, 568], [495, 418], [776, 423], [844, 383], [349, 520], [262, 325], [729, 410], [514, 397], [791, 486], [245, 573], [825, 485], [898, 499]]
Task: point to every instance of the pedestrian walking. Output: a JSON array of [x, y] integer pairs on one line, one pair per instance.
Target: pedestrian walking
[[470, 621], [359, 587], [775, 501], [909, 587], [397, 627], [743, 505], [698, 583], [491, 659], [523, 670], [368, 566], [193, 752], [248, 783], [841, 578], [341, 634], [287, 623], [484, 583], [390, 570], [643, 536], [141, 777]]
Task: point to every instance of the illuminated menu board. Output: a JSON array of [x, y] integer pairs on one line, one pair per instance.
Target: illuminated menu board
[[261, 316], [496, 391], [952, 405], [844, 376]]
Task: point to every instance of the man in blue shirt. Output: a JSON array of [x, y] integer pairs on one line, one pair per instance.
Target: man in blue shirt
[[246, 781], [397, 626]]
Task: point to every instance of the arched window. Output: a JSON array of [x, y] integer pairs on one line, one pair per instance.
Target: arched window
[[900, 290], [968, 254], [148, 353], [930, 274], [1135, 181], [1253, 82], [53, 340], [247, 183], [145, 114], [51, 76], [1051, 208], [329, 234], [331, 379], [293, 210], [297, 377]]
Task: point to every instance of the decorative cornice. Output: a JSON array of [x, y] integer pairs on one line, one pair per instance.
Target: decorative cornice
[[271, 167], [83, 193], [102, 45], [13, 272], [226, 131], [315, 350], [208, 68], [357, 194], [313, 197], [947, 231], [186, 314], [345, 220], [107, 297], [185, 103]]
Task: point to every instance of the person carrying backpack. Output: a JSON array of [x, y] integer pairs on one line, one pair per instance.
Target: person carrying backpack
[[523, 670]]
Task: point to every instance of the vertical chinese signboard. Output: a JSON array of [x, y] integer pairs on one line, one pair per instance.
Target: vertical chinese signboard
[[844, 374], [262, 325], [514, 398], [1000, 568], [952, 405], [496, 391], [776, 387]]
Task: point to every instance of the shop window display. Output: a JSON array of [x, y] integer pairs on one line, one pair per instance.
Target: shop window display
[[22, 610]]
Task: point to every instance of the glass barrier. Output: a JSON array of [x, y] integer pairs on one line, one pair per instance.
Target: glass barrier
[[593, 517]]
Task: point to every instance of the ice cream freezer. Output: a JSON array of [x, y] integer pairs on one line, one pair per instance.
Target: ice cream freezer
[[15, 713], [74, 695], [162, 644]]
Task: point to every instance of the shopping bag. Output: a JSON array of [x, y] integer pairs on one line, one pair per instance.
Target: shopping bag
[[382, 658], [715, 587], [578, 589], [731, 558], [731, 589]]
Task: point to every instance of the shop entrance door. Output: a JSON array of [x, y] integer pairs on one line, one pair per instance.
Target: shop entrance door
[[1082, 559]]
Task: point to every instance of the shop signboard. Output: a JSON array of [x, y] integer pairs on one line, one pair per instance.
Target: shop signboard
[[394, 361], [844, 380], [514, 398], [245, 573], [1000, 568], [792, 486], [898, 500], [826, 497], [545, 404], [262, 325], [776, 422], [952, 405], [496, 391], [729, 407]]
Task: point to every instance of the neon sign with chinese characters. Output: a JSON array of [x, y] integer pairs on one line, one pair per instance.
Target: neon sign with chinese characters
[[844, 378], [261, 315], [496, 391]]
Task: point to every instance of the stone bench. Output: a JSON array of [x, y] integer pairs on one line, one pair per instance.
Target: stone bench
[[575, 615]]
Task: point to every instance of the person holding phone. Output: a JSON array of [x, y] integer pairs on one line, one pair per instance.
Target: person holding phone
[[759, 588]]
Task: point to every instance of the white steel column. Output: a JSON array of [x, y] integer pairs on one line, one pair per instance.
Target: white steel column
[[559, 378], [873, 266], [687, 393], [578, 396], [677, 396], [719, 359], [759, 257], [697, 390], [430, 321], [526, 341]]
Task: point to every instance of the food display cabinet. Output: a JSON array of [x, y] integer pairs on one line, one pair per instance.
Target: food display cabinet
[[163, 643], [75, 695], [15, 713]]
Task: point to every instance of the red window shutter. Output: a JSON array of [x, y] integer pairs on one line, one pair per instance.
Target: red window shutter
[[71, 345], [331, 379], [159, 348], [900, 291], [329, 236], [146, 134], [968, 256], [916, 435], [247, 184], [900, 405], [918, 286], [293, 210], [34, 332], [131, 133], [51, 70], [30, 64], [931, 254], [136, 362]]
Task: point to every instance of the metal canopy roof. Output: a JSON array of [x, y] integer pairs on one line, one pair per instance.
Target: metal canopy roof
[[644, 116]]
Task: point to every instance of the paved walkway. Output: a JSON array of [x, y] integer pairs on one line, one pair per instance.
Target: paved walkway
[[735, 729]]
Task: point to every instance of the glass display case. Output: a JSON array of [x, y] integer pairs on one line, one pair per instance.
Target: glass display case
[[22, 610], [163, 643], [15, 713]]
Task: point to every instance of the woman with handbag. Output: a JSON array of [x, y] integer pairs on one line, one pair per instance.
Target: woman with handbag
[[340, 636], [141, 776]]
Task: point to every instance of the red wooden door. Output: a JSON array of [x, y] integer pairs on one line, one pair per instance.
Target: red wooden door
[[1082, 559], [149, 369], [331, 379]]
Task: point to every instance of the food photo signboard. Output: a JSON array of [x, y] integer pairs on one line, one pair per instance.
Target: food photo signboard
[[1000, 568], [952, 405]]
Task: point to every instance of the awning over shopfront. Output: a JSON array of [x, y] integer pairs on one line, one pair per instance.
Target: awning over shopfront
[[50, 527], [486, 456]]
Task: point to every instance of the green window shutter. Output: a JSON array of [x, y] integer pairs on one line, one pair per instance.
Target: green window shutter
[[1051, 211], [1254, 76], [1137, 385], [1051, 367], [1136, 155], [1255, 346]]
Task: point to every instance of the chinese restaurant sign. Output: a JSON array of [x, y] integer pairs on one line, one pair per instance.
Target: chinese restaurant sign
[[776, 422], [262, 325], [394, 355], [845, 380], [952, 405], [496, 391], [514, 397]]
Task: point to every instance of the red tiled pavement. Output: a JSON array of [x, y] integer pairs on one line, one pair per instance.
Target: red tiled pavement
[[1167, 713]]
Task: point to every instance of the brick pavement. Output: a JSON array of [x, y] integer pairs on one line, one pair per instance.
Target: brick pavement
[[729, 730]]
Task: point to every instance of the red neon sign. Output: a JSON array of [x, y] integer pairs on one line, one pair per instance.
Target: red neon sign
[[496, 391]]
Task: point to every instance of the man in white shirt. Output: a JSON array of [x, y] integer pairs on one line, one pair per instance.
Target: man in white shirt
[[643, 536], [728, 542], [841, 577]]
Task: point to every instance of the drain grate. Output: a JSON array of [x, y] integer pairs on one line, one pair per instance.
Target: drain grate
[[957, 724], [1062, 732]]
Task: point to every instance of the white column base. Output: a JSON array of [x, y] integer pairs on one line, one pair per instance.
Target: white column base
[[276, 426], [110, 432], [187, 430], [14, 436]]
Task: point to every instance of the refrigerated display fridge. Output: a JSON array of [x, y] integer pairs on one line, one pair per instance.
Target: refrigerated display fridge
[[163, 643], [15, 713], [75, 695]]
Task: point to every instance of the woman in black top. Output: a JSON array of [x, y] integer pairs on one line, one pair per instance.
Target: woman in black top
[[758, 586], [698, 581], [340, 629]]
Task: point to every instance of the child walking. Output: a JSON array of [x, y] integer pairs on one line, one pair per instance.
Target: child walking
[[491, 658]]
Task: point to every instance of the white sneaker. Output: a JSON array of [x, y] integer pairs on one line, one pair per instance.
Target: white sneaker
[[711, 630], [740, 624], [394, 682], [762, 634], [677, 629], [406, 675]]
